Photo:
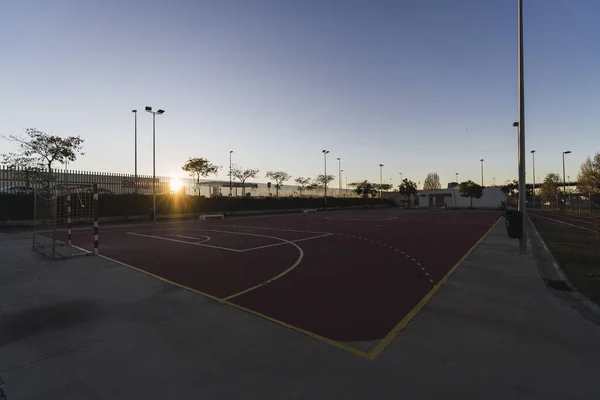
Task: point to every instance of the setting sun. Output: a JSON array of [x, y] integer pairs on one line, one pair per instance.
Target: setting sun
[[175, 184]]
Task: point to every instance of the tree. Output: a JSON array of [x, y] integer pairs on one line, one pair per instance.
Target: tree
[[311, 186], [243, 174], [279, 177], [321, 180], [409, 190], [200, 167], [588, 180], [511, 191], [432, 181], [302, 183], [364, 189], [549, 188], [382, 186], [470, 189], [38, 150]]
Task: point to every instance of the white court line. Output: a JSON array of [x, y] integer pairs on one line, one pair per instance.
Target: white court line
[[565, 223], [184, 242], [271, 229], [195, 238], [286, 242]]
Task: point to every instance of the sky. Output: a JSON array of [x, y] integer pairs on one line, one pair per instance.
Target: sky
[[419, 86]]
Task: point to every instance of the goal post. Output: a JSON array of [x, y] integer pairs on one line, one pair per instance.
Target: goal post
[[66, 221]]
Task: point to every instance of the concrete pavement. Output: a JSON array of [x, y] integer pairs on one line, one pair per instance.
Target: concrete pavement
[[91, 329]]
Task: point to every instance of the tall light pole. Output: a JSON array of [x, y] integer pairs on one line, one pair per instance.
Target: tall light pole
[[493, 181], [482, 172], [230, 153], [325, 176], [456, 173], [401, 177], [533, 191], [159, 112], [341, 170], [135, 148], [564, 182], [522, 186], [381, 182], [340, 173]]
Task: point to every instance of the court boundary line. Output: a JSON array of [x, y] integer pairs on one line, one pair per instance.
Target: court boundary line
[[565, 223], [272, 229], [391, 335], [183, 242], [312, 335]]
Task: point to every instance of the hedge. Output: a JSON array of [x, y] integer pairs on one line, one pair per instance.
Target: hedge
[[20, 207]]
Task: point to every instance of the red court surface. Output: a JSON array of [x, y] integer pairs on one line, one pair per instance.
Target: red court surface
[[345, 276]]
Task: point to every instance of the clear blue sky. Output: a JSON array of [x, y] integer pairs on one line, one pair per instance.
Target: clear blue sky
[[420, 86]]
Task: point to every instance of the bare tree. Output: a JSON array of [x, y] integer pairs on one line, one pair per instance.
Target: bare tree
[[38, 150], [279, 177], [302, 183], [243, 174], [432, 181]]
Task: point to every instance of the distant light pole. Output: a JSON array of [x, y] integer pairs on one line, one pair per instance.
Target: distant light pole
[[230, 153], [533, 191], [482, 172], [521, 133], [564, 182], [456, 173], [381, 182], [341, 170], [401, 177], [325, 176], [159, 112], [135, 148], [340, 173], [493, 181]]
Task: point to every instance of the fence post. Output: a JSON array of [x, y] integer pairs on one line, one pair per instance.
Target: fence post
[[69, 219], [96, 218]]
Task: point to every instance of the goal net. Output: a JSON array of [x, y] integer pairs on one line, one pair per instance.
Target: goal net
[[66, 221]]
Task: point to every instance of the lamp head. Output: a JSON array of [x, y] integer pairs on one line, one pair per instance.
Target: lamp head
[[160, 112], [567, 152], [516, 124], [133, 111], [148, 108], [532, 151]]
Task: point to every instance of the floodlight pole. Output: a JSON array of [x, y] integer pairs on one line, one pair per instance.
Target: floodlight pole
[[230, 153], [325, 176], [522, 187], [135, 150], [159, 112], [533, 170], [381, 183]]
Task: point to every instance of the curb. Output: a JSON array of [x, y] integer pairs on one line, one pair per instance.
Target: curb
[[555, 278]]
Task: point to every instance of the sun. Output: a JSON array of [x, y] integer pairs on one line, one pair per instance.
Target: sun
[[175, 184]]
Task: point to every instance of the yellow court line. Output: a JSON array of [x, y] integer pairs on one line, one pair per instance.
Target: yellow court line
[[389, 338], [160, 278], [312, 335]]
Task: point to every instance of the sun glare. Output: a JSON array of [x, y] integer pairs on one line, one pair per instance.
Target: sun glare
[[175, 184]]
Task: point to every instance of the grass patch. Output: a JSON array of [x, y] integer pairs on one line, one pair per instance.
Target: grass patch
[[578, 253]]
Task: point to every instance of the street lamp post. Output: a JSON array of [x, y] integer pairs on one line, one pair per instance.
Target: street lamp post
[[456, 173], [341, 193], [401, 178], [159, 112], [230, 153], [135, 149], [493, 181], [533, 169], [340, 173], [521, 133], [482, 172], [381, 182], [325, 176], [564, 182]]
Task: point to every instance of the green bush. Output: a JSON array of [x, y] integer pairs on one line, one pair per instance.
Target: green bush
[[125, 205]]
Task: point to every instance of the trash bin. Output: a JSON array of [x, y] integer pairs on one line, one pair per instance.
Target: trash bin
[[514, 223], [151, 214]]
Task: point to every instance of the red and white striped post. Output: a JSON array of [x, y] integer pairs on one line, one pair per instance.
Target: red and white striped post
[[69, 219], [95, 218]]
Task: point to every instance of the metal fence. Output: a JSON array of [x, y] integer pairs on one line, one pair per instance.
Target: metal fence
[[25, 181]]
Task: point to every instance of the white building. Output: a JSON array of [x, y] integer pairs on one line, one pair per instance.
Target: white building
[[492, 198]]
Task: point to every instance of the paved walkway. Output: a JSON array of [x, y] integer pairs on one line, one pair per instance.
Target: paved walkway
[[91, 329]]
